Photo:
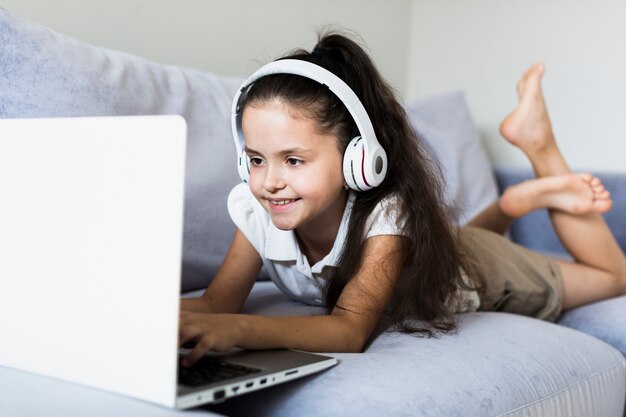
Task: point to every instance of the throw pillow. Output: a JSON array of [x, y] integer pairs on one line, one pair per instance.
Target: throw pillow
[[445, 125]]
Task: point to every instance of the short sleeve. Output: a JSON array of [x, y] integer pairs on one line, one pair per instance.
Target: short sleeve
[[386, 219], [248, 215]]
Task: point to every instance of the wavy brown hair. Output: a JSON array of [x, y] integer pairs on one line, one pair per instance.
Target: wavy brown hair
[[431, 272]]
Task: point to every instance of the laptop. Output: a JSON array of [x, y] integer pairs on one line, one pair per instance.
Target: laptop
[[91, 223]]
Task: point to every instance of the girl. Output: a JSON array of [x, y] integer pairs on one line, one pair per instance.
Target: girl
[[391, 249]]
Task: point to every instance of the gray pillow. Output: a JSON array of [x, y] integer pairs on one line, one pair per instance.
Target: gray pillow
[[445, 125], [43, 73]]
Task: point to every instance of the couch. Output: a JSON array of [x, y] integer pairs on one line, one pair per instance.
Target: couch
[[495, 364]]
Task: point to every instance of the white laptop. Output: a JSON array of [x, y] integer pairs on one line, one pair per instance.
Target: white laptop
[[91, 220]]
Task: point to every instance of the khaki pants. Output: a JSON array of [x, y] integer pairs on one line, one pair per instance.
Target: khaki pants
[[511, 278]]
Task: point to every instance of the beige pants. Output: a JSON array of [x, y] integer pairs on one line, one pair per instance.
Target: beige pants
[[511, 278]]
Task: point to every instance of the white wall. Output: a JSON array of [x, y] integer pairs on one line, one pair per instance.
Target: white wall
[[483, 46], [228, 37], [422, 47]]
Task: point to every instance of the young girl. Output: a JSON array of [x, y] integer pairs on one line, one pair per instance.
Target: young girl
[[391, 249]]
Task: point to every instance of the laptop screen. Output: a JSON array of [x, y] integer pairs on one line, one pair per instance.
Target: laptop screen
[[90, 247]]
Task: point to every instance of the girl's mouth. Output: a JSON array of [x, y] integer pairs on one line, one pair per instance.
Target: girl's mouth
[[282, 202]]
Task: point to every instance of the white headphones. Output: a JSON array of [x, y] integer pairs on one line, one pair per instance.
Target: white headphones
[[364, 161]]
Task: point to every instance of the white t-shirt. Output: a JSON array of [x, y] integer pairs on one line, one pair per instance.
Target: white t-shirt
[[288, 267]]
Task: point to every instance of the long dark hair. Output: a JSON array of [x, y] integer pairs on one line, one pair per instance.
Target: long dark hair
[[431, 273]]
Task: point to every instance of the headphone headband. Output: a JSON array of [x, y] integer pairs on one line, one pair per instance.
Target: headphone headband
[[365, 176]]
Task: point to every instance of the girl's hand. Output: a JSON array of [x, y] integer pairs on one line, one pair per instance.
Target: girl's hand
[[209, 332]]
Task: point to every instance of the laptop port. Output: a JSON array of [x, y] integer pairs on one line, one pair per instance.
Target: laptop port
[[263, 381], [249, 384], [218, 395]]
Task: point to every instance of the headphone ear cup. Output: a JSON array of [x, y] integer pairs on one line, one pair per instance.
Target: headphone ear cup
[[243, 166], [352, 161], [364, 168]]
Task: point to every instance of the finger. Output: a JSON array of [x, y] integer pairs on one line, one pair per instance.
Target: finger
[[196, 353], [187, 334]]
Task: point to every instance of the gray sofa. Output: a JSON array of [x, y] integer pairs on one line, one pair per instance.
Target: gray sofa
[[496, 364]]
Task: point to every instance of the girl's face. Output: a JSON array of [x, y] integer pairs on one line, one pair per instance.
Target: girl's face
[[295, 171]]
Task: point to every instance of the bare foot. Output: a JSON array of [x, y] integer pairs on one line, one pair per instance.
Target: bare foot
[[528, 126], [571, 193]]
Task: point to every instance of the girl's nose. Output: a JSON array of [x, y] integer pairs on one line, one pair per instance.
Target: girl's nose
[[273, 180]]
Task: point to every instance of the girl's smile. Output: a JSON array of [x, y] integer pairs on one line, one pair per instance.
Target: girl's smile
[[281, 206], [281, 202], [295, 170]]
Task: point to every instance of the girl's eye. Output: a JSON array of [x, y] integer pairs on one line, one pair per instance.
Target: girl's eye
[[294, 162], [256, 161]]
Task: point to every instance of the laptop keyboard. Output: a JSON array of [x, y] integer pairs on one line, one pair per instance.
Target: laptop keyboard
[[210, 370]]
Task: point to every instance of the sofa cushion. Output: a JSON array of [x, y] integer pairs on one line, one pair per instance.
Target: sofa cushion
[[605, 320], [496, 364]]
